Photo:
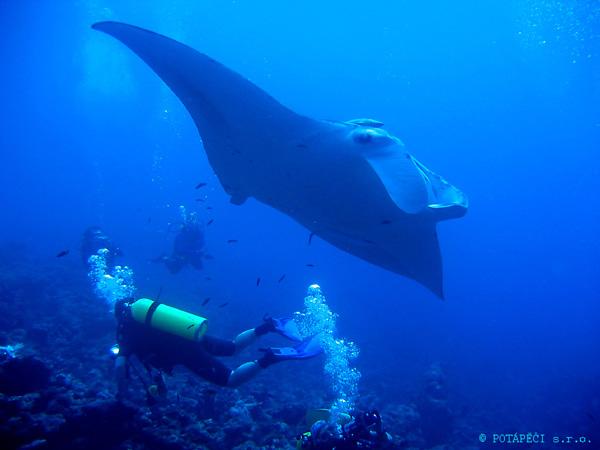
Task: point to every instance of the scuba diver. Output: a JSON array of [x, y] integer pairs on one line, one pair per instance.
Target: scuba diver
[[94, 239], [188, 245], [361, 430], [161, 337]]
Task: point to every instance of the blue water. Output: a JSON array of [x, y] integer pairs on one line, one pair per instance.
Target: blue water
[[501, 98]]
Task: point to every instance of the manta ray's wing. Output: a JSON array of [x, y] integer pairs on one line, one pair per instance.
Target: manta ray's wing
[[231, 113], [413, 253]]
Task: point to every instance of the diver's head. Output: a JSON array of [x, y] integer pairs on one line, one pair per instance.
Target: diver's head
[[123, 308], [93, 232], [93, 239]]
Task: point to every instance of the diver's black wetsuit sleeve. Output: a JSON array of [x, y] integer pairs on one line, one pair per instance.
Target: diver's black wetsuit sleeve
[[218, 347]]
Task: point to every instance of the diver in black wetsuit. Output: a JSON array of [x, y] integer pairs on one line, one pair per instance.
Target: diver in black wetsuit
[[161, 350], [94, 239], [188, 247]]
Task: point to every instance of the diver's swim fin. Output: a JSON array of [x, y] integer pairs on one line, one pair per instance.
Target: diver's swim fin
[[286, 327], [308, 348]]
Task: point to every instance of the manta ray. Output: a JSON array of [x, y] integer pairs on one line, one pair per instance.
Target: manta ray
[[349, 182]]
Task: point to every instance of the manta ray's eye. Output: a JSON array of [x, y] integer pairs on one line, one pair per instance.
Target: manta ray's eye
[[364, 136]]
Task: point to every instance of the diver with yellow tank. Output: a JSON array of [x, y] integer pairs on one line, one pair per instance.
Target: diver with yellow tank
[[161, 337]]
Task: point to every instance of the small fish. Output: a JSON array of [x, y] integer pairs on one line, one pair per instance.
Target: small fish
[[210, 392], [310, 265], [199, 199], [386, 222], [310, 236], [301, 145], [158, 295], [231, 241], [281, 278], [149, 220], [223, 305], [62, 253], [199, 185], [209, 207], [207, 278], [209, 222], [205, 302], [257, 281], [191, 326]]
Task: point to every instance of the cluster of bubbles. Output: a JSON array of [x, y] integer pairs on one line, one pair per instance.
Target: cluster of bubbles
[[318, 319], [186, 217], [553, 24], [111, 284]]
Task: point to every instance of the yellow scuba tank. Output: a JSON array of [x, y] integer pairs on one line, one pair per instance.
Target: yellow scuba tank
[[168, 319]]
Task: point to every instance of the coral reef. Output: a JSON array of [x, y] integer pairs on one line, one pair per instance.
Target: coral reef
[[58, 392]]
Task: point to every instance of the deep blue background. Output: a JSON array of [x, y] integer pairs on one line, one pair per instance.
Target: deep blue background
[[501, 98]]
